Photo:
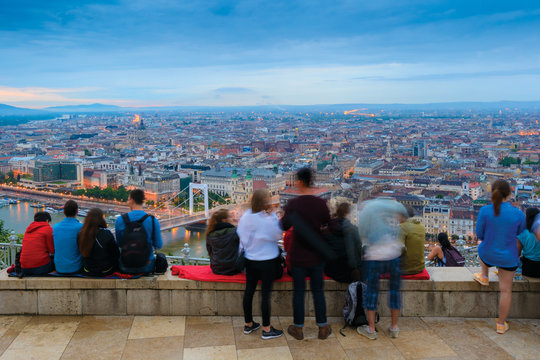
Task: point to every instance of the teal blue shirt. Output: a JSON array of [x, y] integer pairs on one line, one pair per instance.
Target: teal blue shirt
[[531, 246], [67, 258]]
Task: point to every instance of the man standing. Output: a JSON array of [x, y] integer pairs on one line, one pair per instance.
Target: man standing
[[137, 256], [67, 259], [305, 261]]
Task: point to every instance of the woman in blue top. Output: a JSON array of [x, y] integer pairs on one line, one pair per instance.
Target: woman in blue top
[[498, 226], [529, 247]]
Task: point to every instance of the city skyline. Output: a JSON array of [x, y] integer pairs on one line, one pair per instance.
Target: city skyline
[[217, 53]]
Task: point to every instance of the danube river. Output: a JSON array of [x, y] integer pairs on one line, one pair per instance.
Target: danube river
[[18, 217]]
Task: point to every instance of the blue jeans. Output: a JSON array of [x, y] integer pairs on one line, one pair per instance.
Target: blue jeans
[[373, 271], [40, 270], [315, 274]]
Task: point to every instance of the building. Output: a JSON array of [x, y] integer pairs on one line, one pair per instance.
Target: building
[[436, 219], [99, 178], [291, 193], [159, 187], [367, 168], [419, 149], [461, 223], [55, 171], [474, 190]]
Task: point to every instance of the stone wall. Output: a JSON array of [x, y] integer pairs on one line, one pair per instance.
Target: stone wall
[[450, 292]]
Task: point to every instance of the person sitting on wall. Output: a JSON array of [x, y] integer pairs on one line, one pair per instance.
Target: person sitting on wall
[[414, 238], [137, 235], [67, 259], [529, 246], [38, 246], [222, 243]]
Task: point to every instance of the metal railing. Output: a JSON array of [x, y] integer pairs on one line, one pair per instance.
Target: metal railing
[[8, 251], [186, 259]]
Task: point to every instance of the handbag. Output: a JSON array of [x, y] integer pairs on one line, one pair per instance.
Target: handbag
[[161, 264], [280, 265]]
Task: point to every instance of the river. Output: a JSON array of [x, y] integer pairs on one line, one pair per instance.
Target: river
[[18, 217]]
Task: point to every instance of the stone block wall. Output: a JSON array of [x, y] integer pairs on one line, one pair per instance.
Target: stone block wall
[[451, 292]]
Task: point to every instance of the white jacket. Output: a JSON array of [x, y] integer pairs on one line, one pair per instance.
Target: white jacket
[[259, 234]]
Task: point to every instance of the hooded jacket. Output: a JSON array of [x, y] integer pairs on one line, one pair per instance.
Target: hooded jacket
[[222, 245], [37, 245]]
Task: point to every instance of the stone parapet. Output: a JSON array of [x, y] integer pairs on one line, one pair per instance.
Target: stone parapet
[[451, 292]]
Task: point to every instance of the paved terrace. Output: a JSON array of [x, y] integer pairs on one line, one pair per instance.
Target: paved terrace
[[221, 337]]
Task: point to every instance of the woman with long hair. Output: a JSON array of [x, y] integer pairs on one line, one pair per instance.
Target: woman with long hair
[[259, 233], [222, 243], [440, 252], [498, 227], [529, 246], [97, 246]]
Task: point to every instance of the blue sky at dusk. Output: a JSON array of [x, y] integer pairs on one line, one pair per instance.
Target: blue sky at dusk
[[212, 52]]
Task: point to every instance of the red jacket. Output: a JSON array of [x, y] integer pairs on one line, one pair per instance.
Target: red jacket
[[37, 245]]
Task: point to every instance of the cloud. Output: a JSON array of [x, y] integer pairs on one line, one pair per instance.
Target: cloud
[[234, 90]]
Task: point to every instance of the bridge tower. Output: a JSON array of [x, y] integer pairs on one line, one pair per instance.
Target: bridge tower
[[204, 188]]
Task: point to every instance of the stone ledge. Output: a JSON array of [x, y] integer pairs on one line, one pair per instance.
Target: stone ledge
[[450, 292]]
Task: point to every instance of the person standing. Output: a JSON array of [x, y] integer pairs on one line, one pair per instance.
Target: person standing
[[305, 260], [259, 233], [138, 258], [498, 227], [67, 259], [38, 246], [378, 223], [97, 246]]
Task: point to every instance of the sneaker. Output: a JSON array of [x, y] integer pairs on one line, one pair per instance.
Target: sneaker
[[324, 331], [393, 332], [364, 330], [501, 329], [272, 334], [480, 279], [296, 332], [249, 329]]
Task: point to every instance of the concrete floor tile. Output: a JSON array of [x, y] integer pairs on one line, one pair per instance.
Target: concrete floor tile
[[168, 348], [106, 345], [103, 323], [353, 340], [273, 353], [50, 352], [421, 344], [201, 320], [227, 352], [385, 352], [329, 349], [44, 335], [209, 335], [157, 326]]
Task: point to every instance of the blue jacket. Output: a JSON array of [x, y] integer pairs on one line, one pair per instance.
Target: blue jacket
[[499, 234], [156, 243], [67, 257]]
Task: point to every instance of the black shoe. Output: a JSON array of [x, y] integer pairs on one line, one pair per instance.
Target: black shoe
[[249, 329], [272, 334]]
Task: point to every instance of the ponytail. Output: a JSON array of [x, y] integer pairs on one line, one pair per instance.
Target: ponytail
[[500, 190]]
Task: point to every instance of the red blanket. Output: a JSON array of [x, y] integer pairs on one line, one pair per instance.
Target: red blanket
[[424, 275], [204, 273]]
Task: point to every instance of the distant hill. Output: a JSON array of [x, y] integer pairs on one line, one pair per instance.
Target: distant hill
[[11, 115], [7, 110], [85, 108]]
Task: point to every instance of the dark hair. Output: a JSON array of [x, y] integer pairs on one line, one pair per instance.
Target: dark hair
[[443, 240], [499, 191], [42, 216], [410, 211], [71, 208], [305, 175], [93, 221], [530, 215], [343, 210], [259, 200], [137, 195], [216, 218]]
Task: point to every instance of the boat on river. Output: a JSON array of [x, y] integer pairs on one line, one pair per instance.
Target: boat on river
[[36, 205]]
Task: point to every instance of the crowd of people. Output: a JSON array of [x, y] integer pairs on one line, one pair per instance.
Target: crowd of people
[[90, 248], [386, 241]]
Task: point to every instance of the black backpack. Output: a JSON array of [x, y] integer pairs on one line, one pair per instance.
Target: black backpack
[[353, 311], [135, 248]]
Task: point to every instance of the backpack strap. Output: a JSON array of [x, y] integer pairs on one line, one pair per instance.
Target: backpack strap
[[141, 220], [153, 229], [125, 217]]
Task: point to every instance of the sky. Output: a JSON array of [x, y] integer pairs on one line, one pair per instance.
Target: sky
[[252, 52]]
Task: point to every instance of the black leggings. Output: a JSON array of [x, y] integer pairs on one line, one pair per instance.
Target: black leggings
[[255, 271]]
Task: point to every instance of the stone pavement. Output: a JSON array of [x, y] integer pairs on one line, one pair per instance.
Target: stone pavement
[[221, 337]]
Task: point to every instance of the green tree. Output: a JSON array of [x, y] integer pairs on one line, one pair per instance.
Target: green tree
[[87, 152], [4, 233]]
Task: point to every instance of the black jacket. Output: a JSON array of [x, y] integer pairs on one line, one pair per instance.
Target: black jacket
[[222, 245], [345, 241], [103, 259]]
